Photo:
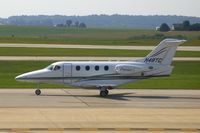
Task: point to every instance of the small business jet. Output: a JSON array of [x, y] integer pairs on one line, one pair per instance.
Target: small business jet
[[106, 75]]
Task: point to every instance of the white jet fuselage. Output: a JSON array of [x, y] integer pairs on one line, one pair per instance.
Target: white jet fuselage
[[95, 74]]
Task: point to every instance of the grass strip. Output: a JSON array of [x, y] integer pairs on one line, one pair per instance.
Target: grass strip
[[185, 76], [84, 52], [92, 36]]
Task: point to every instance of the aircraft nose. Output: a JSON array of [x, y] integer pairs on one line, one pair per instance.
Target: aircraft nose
[[21, 77], [30, 76]]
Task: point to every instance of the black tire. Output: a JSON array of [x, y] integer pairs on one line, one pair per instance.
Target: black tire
[[38, 92], [103, 93], [107, 92]]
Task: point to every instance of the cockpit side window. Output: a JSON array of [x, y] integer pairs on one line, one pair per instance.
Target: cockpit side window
[[56, 67], [53, 67]]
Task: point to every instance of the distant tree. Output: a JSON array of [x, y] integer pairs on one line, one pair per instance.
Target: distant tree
[[186, 25], [195, 27], [68, 23], [164, 27], [82, 25], [76, 24]]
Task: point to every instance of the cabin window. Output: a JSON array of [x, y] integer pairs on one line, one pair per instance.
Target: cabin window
[[96, 68], [150, 67], [87, 68], [56, 68], [78, 68], [106, 68]]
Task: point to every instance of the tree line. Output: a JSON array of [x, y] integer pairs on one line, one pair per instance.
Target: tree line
[[98, 21], [70, 23], [185, 26]]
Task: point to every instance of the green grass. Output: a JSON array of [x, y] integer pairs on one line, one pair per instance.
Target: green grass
[[10, 69], [84, 52], [55, 35], [185, 76]]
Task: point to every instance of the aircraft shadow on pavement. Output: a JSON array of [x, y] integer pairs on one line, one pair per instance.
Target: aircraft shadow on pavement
[[120, 96], [124, 96]]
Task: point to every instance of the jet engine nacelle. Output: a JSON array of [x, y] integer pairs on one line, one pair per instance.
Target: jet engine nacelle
[[129, 69]]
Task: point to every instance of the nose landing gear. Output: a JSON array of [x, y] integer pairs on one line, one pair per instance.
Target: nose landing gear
[[38, 91]]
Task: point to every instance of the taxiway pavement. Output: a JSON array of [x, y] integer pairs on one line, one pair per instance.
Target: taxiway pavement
[[82, 58], [180, 48], [118, 98], [80, 110]]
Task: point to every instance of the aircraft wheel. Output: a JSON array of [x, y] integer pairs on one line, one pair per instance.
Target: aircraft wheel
[[104, 93], [38, 92]]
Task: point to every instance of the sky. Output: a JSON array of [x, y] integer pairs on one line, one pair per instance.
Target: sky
[[88, 7]]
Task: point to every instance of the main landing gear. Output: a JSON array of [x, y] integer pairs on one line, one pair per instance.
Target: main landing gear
[[104, 91], [38, 91]]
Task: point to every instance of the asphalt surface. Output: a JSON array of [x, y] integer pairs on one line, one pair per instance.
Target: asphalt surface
[[83, 98], [80, 110], [82, 58], [180, 48]]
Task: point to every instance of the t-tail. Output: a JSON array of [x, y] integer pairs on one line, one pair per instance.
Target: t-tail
[[163, 53]]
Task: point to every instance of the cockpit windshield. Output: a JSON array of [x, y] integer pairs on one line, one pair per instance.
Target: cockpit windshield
[[54, 67], [50, 67]]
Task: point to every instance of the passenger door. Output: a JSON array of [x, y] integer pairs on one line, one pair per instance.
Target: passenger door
[[67, 73]]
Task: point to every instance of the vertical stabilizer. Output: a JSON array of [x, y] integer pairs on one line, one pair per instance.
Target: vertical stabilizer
[[163, 53]]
